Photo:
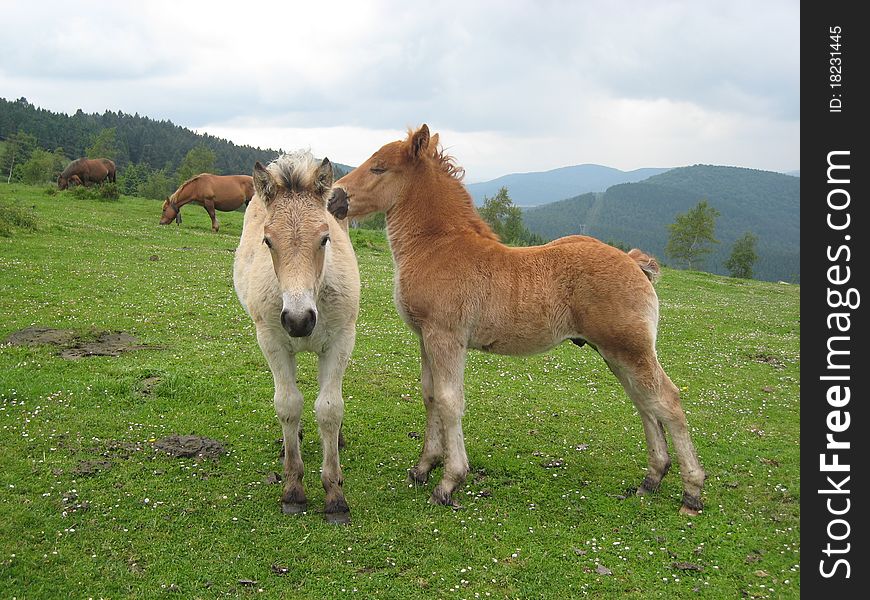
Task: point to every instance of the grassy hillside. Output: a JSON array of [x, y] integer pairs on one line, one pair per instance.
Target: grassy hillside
[[534, 189], [638, 214], [90, 508]]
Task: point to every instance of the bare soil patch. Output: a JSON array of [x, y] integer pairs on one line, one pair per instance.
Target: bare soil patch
[[188, 446], [75, 345]]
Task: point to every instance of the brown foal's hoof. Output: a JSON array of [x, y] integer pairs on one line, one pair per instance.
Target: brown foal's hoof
[[417, 477], [293, 508], [692, 505]]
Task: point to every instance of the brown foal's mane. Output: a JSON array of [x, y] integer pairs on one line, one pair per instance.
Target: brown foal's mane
[[453, 188]]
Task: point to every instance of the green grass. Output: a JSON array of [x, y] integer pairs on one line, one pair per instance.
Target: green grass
[[149, 526]]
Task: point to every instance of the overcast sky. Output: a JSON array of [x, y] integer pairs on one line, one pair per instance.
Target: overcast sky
[[510, 86]]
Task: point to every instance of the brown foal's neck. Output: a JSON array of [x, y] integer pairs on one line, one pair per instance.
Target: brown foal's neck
[[434, 208]]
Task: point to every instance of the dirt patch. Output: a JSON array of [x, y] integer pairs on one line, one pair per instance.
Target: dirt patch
[[70, 503], [90, 467], [768, 359], [188, 446], [148, 384], [122, 450], [37, 336], [76, 345], [107, 343]]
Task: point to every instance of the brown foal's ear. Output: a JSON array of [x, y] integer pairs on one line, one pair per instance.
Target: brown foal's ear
[[323, 177], [264, 185], [338, 203], [420, 141]]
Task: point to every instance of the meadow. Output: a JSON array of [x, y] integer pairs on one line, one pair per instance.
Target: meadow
[[90, 507]]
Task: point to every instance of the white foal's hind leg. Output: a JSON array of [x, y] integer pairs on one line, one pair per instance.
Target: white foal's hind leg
[[288, 407], [329, 410], [433, 445]]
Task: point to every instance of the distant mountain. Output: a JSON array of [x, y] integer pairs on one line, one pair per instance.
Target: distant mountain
[[638, 214], [794, 173], [534, 189]]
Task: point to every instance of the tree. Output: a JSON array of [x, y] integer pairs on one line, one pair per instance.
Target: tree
[[743, 256], [495, 210], [41, 167], [16, 151], [506, 220], [199, 159], [158, 186], [104, 145], [691, 236], [132, 177]]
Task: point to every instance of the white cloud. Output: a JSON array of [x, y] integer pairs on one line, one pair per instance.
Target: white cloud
[[512, 86]]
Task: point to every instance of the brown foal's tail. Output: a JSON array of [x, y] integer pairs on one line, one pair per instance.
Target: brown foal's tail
[[647, 263]]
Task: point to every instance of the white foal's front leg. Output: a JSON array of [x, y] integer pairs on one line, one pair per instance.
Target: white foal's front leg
[[288, 406], [329, 411]]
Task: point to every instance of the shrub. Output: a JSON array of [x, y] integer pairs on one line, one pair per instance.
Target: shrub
[[109, 191], [104, 192], [15, 216], [82, 192]]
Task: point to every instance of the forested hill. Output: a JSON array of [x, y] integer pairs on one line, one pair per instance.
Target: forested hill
[[138, 140], [534, 189], [764, 203]]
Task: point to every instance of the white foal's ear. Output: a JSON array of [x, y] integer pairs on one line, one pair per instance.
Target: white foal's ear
[[420, 141], [323, 177], [264, 184]]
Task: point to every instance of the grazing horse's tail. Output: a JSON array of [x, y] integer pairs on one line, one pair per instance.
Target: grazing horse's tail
[[647, 263]]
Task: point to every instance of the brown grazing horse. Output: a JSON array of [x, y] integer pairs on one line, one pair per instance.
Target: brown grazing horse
[[85, 171], [221, 192], [458, 287]]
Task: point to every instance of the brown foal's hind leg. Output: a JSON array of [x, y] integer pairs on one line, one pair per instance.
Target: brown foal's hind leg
[[433, 446], [658, 460], [658, 402]]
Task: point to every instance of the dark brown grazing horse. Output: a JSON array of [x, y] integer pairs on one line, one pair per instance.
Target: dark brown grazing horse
[[85, 171], [221, 192]]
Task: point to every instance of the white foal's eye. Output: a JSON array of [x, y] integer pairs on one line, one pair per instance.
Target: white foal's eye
[[324, 240], [268, 242]]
